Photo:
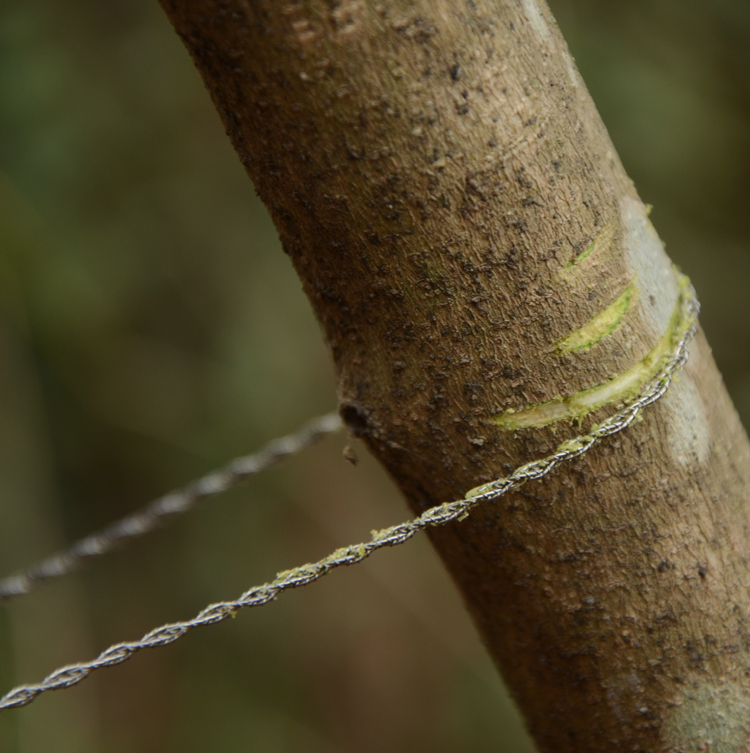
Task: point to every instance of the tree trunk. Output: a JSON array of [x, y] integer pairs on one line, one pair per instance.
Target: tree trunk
[[489, 284]]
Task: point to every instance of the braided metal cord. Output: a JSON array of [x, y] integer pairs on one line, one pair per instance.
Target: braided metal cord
[[167, 507], [350, 555]]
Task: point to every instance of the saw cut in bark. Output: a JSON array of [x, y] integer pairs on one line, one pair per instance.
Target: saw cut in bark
[[490, 284]]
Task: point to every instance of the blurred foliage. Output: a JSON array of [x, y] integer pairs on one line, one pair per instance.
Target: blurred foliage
[[151, 328]]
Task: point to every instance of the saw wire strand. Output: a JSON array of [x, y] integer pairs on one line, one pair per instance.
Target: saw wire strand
[[166, 508], [398, 534]]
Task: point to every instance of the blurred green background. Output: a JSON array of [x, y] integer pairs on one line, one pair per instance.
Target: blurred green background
[[151, 328]]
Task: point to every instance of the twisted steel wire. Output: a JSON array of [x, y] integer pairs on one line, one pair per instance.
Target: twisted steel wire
[[393, 536], [167, 507]]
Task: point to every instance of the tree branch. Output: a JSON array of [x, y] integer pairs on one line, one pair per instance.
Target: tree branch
[[487, 279]]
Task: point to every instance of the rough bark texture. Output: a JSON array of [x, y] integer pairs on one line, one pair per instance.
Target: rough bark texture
[[455, 209]]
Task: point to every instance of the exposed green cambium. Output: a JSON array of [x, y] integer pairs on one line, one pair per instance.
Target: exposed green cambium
[[601, 326], [618, 389], [599, 243]]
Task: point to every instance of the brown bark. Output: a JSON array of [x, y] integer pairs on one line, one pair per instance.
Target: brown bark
[[455, 209]]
